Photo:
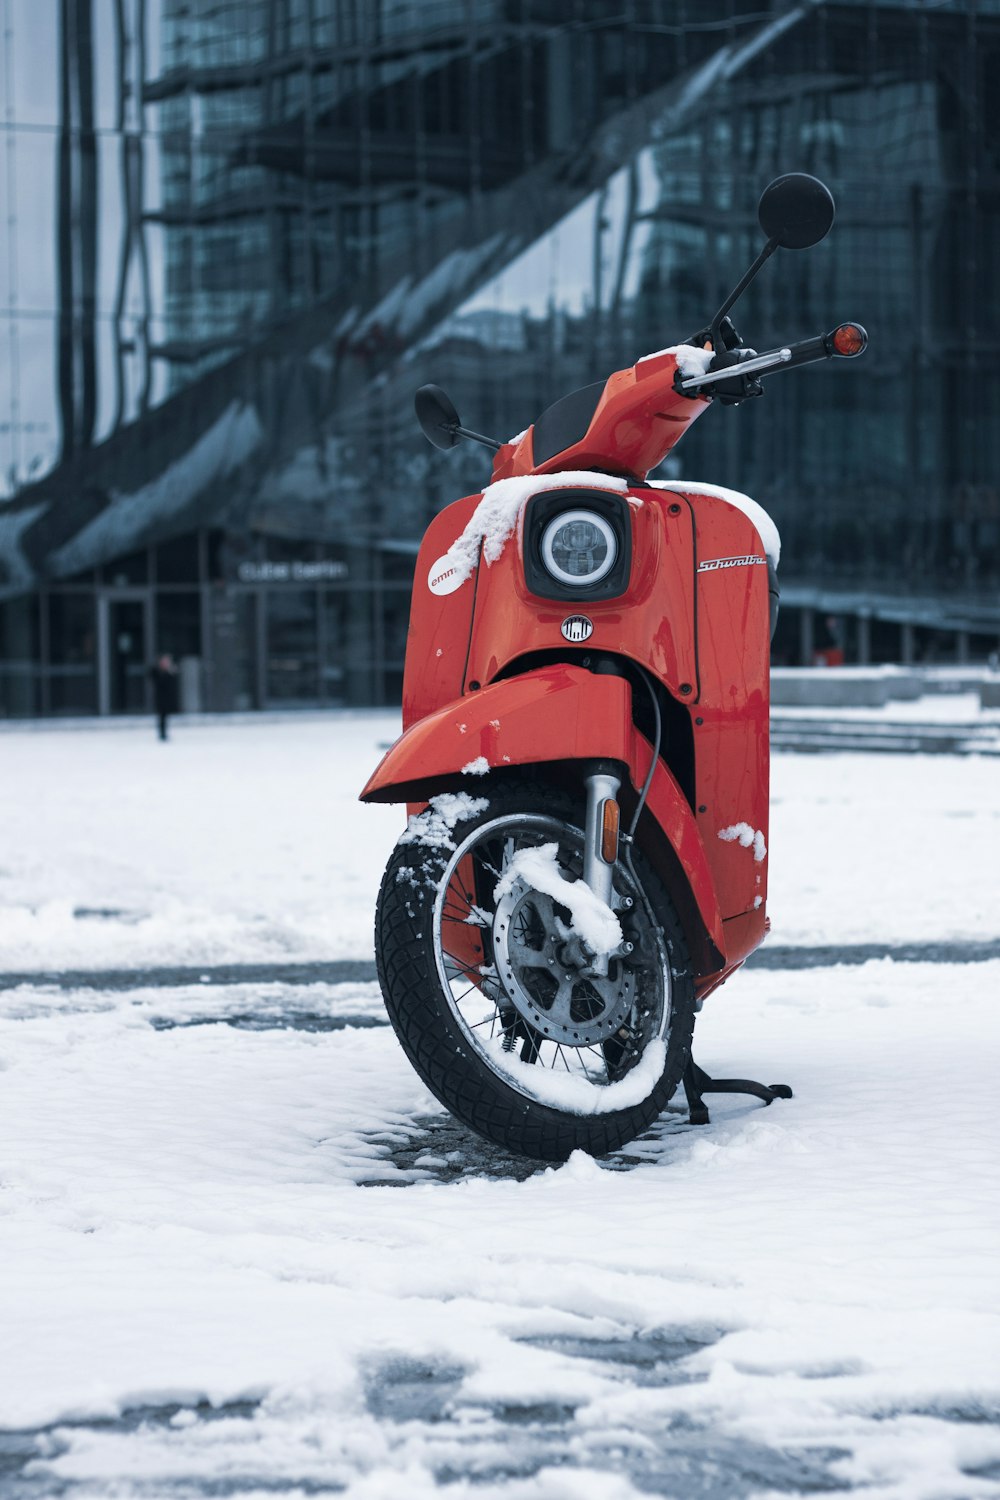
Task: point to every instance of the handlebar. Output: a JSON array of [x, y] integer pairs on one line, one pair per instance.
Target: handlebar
[[846, 341]]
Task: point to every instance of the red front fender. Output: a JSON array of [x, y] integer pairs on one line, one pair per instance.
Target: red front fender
[[556, 713]]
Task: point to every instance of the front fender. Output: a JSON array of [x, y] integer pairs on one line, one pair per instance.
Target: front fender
[[556, 713]]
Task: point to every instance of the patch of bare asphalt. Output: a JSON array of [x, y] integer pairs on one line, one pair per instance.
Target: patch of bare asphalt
[[351, 971]]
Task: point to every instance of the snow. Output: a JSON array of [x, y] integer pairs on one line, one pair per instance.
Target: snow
[[434, 826], [747, 836], [766, 529], [495, 517], [478, 767], [242, 1195], [691, 361], [186, 1220], [232, 843], [590, 918], [882, 848], [243, 842], [574, 1094]]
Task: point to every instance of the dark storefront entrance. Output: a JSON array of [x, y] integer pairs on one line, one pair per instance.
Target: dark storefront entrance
[[123, 636], [253, 622]]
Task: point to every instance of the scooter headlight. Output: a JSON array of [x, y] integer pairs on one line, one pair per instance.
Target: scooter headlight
[[579, 547]]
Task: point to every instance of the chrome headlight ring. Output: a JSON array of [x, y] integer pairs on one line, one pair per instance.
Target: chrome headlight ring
[[579, 548]]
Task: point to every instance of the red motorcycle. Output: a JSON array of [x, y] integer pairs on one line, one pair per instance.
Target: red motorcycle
[[585, 749]]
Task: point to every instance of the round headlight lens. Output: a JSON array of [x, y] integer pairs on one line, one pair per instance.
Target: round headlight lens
[[579, 547]]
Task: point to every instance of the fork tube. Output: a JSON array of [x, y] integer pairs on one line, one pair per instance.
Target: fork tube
[[597, 873]]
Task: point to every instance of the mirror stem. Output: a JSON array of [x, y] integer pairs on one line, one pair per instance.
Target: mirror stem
[[737, 292], [476, 437]]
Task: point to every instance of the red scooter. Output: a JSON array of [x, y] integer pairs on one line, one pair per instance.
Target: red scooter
[[585, 749]]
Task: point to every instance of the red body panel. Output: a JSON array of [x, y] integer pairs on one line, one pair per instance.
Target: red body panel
[[638, 419], [557, 713], [437, 640], [511, 622], [731, 713], [700, 627]]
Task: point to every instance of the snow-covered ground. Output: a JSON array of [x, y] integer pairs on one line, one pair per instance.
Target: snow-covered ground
[[230, 843], [244, 1252], [245, 842]]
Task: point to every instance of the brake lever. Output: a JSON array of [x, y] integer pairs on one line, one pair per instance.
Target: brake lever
[[733, 388]]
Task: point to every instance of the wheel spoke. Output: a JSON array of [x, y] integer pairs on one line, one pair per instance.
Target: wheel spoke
[[463, 968], [491, 869], [465, 993], [455, 914]]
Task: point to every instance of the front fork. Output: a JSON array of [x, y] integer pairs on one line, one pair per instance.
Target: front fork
[[600, 849]]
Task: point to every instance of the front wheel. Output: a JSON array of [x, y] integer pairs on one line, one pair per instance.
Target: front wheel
[[491, 985]]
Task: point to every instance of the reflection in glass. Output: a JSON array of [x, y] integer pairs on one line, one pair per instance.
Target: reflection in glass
[[370, 197], [19, 674], [292, 673], [336, 609], [72, 676], [177, 560], [178, 624], [132, 568], [128, 656]]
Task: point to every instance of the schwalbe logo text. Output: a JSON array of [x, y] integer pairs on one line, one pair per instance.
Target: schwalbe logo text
[[715, 564]]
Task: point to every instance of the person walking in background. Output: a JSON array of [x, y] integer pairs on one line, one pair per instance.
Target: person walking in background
[[164, 675]]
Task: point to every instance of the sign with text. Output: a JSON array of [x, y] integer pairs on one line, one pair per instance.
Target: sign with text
[[291, 572]]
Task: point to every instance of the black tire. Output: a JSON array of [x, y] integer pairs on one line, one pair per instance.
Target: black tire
[[435, 1041]]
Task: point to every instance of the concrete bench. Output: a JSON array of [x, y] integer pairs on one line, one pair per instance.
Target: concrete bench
[[843, 687]]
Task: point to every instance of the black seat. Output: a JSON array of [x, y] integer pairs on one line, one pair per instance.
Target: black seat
[[564, 422]]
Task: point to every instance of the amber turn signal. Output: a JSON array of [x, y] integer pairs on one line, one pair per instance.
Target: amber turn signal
[[849, 339], [609, 831]]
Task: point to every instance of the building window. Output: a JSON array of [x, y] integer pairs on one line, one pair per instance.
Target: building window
[[132, 568], [19, 674], [292, 665], [72, 674], [178, 624], [177, 560]]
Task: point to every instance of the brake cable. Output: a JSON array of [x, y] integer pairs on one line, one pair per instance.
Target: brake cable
[[656, 753], [629, 838]]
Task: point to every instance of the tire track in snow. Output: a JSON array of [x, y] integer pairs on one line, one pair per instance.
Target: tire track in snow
[[351, 971]]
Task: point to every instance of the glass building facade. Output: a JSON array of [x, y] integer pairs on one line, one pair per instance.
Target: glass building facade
[[239, 233]]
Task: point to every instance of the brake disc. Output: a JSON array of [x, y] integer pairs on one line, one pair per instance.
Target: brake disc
[[531, 944]]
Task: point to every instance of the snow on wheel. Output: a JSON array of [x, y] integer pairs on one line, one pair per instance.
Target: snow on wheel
[[543, 1018]]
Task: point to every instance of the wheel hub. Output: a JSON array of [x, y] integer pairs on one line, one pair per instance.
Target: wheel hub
[[542, 967]]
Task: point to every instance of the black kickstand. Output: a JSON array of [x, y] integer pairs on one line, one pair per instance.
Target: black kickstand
[[697, 1082]]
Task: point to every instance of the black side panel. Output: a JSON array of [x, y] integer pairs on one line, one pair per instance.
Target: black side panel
[[773, 595], [564, 422]]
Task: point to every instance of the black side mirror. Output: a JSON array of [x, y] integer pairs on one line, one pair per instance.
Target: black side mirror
[[439, 421], [796, 211]]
